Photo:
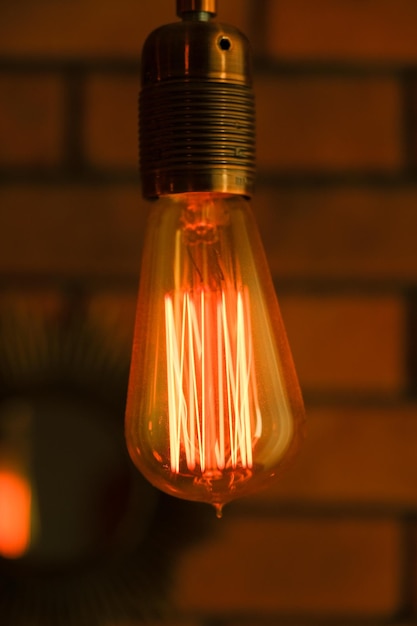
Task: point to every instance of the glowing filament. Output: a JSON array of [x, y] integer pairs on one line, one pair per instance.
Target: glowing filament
[[214, 414]]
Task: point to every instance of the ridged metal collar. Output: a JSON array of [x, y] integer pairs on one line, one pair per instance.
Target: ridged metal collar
[[197, 126]]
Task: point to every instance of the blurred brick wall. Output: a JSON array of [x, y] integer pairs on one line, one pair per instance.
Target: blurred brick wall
[[335, 540]]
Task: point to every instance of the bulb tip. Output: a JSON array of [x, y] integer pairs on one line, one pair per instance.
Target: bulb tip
[[219, 510]]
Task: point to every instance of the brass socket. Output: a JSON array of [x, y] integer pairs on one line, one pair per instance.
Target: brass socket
[[197, 115]]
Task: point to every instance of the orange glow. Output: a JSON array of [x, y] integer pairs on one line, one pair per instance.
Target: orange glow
[[210, 373], [15, 514], [214, 408]]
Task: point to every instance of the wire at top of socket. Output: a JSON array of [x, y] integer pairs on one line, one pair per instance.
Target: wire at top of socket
[[197, 7]]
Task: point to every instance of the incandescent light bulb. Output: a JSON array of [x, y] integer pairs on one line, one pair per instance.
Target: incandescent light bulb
[[214, 408]]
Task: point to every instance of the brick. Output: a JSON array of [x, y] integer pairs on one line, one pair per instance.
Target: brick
[[311, 123], [111, 121], [112, 313], [71, 230], [373, 31], [90, 27], [31, 119], [347, 343], [292, 566], [40, 303], [339, 232], [352, 456]]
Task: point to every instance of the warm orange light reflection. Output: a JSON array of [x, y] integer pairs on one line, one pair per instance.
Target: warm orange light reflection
[[15, 514]]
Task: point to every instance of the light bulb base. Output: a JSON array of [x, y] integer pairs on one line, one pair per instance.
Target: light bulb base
[[197, 111]]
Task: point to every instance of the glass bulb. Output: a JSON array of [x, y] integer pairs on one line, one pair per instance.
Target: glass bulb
[[214, 407]]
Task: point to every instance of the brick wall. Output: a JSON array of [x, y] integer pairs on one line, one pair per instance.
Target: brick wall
[[335, 540]]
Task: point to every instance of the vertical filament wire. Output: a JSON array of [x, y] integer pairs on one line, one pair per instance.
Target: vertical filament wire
[[214, 414]]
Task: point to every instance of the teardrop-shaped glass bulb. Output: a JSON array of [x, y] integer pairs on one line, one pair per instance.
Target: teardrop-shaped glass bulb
[[214, 407]]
